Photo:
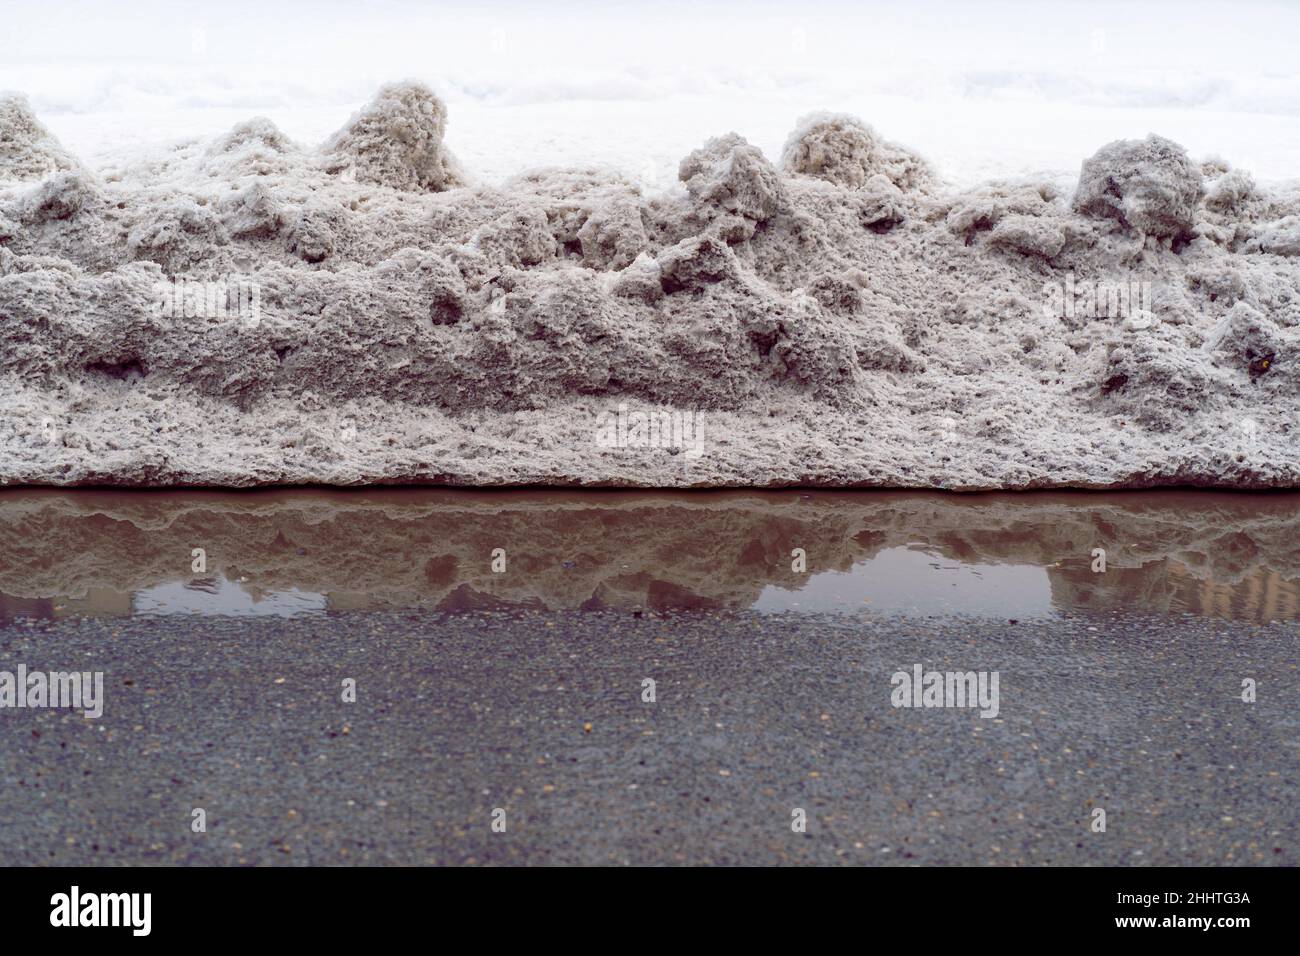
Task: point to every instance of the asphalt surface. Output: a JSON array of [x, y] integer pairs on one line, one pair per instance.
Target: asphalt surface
[[542, 715]]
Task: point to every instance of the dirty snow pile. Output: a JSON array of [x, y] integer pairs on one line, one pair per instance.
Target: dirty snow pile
[[249, 310]]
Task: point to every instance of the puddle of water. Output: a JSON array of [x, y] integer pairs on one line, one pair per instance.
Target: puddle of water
[[295, 552], [218, 595], [911, 581]]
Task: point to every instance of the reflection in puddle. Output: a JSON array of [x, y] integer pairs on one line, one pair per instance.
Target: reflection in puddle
[[219, 596], [909, 582], [292, 552]]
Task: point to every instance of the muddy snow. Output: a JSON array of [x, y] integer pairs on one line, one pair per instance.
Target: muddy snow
[[251, 310]]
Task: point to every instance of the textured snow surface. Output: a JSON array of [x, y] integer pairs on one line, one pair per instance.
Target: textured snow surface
[[838, 316]]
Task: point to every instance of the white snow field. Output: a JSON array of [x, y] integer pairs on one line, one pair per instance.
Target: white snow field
[[983, 90]]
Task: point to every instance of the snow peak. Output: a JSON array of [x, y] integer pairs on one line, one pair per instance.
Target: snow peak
[[80, 690], [103, 909]]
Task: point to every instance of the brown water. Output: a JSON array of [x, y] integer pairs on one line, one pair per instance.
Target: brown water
[[293, 552]]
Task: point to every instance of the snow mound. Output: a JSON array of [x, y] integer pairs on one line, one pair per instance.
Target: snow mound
[[732, 176], [1147, 184], [843, 150], [249, 311], [28, 151], [396, 140]]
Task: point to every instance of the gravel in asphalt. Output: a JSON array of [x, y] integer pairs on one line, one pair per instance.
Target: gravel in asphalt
[[543, 716]]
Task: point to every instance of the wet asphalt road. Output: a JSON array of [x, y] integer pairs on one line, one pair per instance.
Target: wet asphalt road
[[542, 715]]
